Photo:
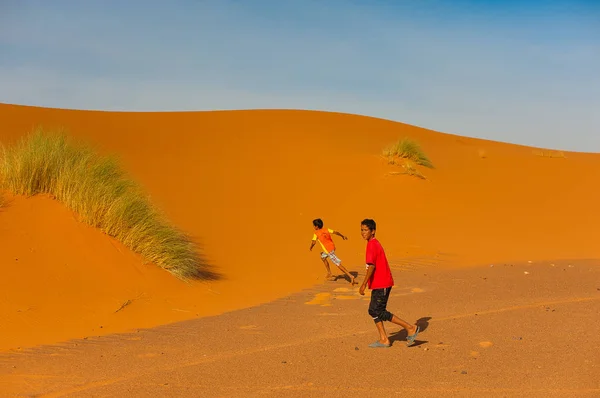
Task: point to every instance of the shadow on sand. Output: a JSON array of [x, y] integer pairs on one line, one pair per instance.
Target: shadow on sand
[[422, 323], [334, 278]]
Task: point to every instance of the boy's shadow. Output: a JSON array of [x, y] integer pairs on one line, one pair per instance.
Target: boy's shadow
[[344, 276], [422, 323]]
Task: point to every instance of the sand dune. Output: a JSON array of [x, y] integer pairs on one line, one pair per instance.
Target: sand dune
[[246, 185]]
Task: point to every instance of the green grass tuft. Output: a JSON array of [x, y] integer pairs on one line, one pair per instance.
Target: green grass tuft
[[98, 190], [407, 149]]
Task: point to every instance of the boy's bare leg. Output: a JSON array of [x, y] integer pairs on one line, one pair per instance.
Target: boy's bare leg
[[410, 329], [345, 271], [383, 339], [329, 276]]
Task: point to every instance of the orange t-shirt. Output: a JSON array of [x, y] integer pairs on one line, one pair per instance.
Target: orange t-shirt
[[324, 236]]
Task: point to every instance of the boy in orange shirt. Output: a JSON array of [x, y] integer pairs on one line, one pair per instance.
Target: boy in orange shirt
[[323, 235]]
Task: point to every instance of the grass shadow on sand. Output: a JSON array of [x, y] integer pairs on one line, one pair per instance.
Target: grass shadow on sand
[[401, 335], [5, 202]]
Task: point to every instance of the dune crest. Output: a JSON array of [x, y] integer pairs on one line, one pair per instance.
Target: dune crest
[[246, 185]]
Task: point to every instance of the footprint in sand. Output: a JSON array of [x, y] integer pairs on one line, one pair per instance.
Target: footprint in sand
[[406, 291], [344, 297], [356, 296], [322, 299], [248, 327], [343, 289], [147, 355], [251, 329], [486, 344]]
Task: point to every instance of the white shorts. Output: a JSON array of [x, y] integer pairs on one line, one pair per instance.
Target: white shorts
[[332, 256]]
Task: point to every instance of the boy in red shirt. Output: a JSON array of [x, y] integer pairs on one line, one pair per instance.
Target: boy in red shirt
[[324, 237], [380, 281]]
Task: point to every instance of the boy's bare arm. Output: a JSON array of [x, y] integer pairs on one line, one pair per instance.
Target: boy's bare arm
[[312, 244], [370, 271], [340, 235]]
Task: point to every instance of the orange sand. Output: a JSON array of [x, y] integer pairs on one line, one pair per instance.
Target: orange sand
[[247, 184]]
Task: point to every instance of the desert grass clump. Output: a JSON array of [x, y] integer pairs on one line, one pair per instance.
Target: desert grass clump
[[102, 195], [407, 154], [407, 149], [549, 154], [2, 200]]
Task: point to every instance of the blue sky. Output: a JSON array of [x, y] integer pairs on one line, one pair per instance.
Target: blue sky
[[525, 72]]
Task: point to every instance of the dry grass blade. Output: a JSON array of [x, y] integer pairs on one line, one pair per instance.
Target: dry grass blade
[[411, 170], [125, 304]]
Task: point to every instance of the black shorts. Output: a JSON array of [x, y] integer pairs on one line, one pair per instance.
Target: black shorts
[[378, 305]]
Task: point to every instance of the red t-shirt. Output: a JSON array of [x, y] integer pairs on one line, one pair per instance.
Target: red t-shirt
[[382, 276]]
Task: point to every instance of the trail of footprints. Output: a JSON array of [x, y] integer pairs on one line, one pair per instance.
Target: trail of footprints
[[325, 299]]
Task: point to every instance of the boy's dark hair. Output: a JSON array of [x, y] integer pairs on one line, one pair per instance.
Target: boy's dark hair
[[317, 222], [369, 223]]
